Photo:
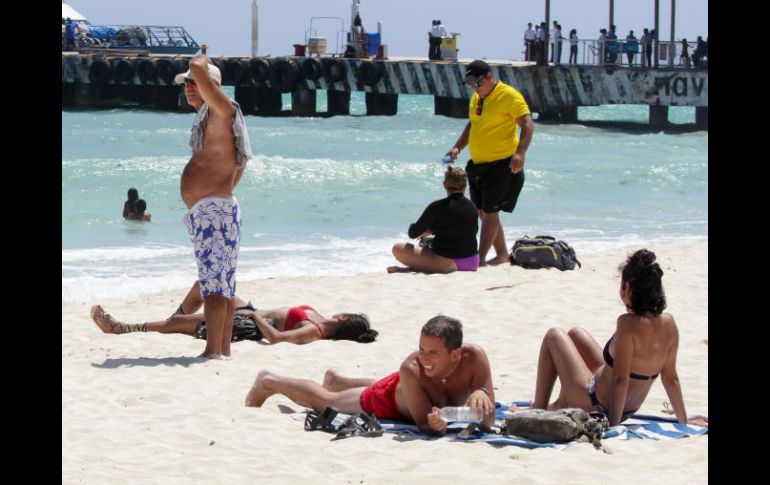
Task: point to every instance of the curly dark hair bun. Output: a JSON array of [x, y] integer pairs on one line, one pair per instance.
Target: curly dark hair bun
[[367, 336], [644, 275]]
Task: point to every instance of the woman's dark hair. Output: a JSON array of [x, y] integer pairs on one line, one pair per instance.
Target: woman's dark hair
[[355, 327], [644, 275], [133, 195]]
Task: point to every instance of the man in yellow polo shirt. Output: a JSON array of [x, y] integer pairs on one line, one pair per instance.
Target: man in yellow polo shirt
[[496, 168]]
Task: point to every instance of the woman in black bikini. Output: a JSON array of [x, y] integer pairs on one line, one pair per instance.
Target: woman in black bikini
[[617, 379], [297, 325]]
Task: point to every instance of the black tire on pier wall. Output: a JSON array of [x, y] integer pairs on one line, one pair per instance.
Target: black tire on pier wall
[[284, 75], [235, 72], [167, 70], [369, 73], [259, 69], [334, 69], [146, 71], [123, 71], [99, 72], [311, 69]]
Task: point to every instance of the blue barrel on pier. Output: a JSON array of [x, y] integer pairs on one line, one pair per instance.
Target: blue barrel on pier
[[374, 44]]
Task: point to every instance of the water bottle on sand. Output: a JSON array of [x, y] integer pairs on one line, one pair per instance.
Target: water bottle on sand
[[463, 413]]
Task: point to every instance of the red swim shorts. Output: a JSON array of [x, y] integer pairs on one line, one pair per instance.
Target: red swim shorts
[[380, 398]]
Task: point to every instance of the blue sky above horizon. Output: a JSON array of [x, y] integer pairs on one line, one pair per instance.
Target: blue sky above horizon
[[494, 31]]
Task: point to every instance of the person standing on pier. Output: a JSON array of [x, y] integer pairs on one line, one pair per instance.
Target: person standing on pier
[[220, 149], [529, 43], [496, 168], [71, 31]]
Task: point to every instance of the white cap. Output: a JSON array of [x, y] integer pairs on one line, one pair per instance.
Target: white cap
[[213, 72]]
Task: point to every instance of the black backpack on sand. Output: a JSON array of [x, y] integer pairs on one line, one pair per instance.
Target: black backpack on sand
[[543, 252], [244, 328]]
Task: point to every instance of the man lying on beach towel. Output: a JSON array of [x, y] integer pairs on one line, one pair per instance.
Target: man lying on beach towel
[[443, 372]]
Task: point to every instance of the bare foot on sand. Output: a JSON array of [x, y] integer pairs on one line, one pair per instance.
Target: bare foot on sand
[[213, 356], [259, 390], [397, 269], [104, 320], [498, 260]]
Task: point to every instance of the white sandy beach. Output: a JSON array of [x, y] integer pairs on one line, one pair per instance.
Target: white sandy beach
[[142, 407]]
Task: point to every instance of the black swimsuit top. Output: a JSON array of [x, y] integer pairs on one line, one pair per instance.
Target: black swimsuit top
[[610, 361]]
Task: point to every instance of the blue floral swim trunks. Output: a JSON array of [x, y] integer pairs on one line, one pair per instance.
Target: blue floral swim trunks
[[214, 226]]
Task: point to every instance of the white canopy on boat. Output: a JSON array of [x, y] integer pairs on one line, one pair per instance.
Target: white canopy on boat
[[67, 11]]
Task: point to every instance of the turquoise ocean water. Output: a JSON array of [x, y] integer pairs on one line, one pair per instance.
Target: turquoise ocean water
[[329, 196]]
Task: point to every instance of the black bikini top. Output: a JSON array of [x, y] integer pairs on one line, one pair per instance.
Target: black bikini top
[[610, 361]]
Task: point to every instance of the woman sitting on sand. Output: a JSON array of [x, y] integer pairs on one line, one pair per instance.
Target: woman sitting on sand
[[616, 381], [297, 325], [453, 223]]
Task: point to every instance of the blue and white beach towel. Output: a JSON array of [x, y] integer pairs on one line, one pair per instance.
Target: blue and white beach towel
[[638, 426]]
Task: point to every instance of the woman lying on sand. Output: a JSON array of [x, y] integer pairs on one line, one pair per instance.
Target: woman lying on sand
[[616, 380], [297, 325]]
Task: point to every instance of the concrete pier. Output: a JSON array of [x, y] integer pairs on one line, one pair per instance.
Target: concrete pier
[[554, 92]]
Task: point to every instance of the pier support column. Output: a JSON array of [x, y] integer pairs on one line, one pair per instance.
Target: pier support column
[[702, 117], [381, 104], [246, 96], [568, 114], [269, 102], [338, 102], [451, 107], [86, 95], [167, 98], [68, 95], [303, 102], [659, 116]]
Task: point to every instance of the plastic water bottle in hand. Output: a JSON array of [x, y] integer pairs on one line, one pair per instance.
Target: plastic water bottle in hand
[[463, 413], [446, 160]]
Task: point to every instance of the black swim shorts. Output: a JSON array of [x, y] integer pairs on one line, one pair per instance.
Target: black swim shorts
[[492, 186]]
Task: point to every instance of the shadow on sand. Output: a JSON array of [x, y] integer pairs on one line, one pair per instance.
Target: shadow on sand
[[150, 362]]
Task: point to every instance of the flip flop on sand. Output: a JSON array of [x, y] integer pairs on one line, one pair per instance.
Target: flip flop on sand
[[323, 420], [365, 424]]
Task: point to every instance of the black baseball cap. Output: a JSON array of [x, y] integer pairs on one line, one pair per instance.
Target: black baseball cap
[[476, 69]]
